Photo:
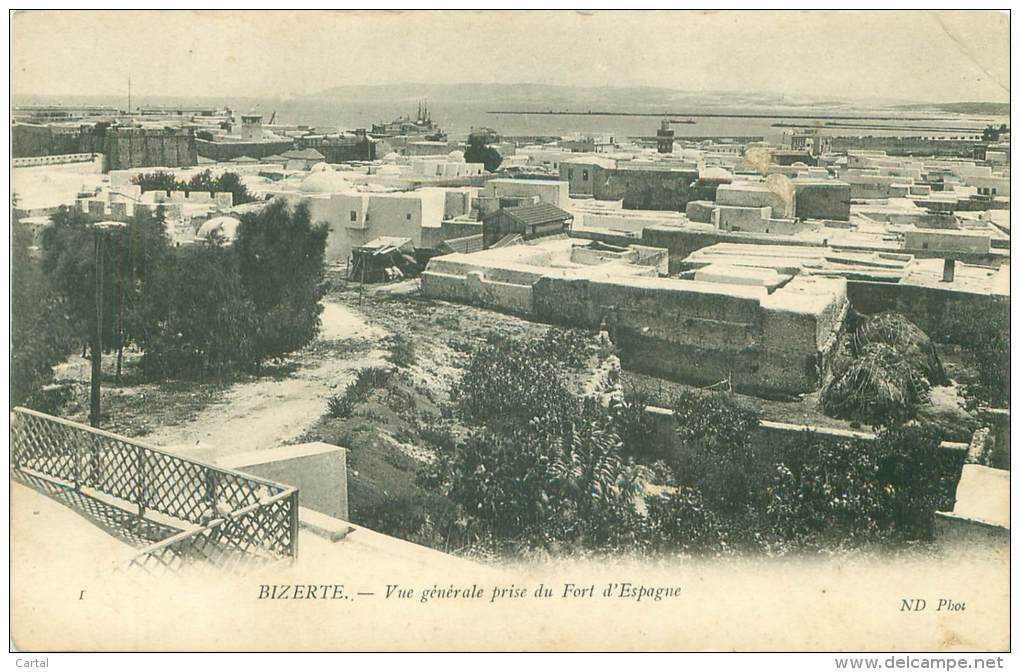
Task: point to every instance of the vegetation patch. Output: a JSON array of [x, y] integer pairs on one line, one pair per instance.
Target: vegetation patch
[[883, 372]]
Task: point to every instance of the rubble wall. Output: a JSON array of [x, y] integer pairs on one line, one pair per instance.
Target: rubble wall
[[946, 315]]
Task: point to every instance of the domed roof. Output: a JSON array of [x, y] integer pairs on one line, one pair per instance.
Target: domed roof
[[324, 182], [388, 170], [224, 227], [392, 156], [321, 166], [456, 154]]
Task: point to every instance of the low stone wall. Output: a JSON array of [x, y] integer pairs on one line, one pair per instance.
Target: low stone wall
[[476, 289], [775, 438], [946, 315], [58, 160], [318, 470]]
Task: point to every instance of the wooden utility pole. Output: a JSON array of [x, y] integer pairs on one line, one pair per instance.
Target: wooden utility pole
[[97, 337], [98, 231]]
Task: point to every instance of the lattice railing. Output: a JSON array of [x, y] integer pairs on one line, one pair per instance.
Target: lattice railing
[[227, 518]]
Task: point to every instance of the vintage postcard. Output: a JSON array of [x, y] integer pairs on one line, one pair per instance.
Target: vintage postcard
[[511, 331]]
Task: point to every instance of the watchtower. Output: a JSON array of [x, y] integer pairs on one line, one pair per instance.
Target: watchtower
[[664, 136]]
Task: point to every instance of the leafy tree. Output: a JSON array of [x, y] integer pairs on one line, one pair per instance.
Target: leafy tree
[[232, 182], [203, 181], [129, 257], [200, 320], [145, 246], [42, 333], [541, 468], [511, 382], [680, 521], [159, 180], [985, 349], [725, 494], [69, 256], [715, 442], [479, 152], [281, 258], [162, 180]]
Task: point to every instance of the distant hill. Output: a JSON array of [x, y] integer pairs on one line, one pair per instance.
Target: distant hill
[[505, 96], [983, 109]]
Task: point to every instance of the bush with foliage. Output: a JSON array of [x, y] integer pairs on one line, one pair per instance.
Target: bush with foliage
[[510, 382], [985, 348], [422, 518], [281, 261], [198, 318], [365, 382], [717, 454], [678, 521], [401, 351], [162, 180], [479, 152], [724, 494], [539, 468], [632, 421], [42, 332]]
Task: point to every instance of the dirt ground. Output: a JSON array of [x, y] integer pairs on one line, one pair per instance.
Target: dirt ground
[[251, 414]]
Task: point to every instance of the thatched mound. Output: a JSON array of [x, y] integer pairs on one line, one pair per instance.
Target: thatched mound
[[880, 386], [882, 372], [904, 337]]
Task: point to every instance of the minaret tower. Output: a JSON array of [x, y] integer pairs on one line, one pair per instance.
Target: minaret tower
[[664, 136]]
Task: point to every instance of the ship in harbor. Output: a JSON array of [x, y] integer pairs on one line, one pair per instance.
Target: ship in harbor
[[421, 125]]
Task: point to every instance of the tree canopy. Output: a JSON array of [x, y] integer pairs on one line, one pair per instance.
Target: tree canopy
[[479, 152], [161, 180]]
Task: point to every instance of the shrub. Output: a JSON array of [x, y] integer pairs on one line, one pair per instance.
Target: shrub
[[340, 406], [41, 333], [910, 465], [401, 351], [280, 257], [715, 443], [508, 382], [632, 421], [201, 319], [679, 520], [542, 468], [366, 380], [438, 435], [572, 348], [985, 349], [825, 492]]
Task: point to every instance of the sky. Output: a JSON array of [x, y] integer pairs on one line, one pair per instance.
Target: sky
[[923, 56]]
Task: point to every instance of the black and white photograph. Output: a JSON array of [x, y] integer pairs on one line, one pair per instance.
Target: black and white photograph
[[511, 330]]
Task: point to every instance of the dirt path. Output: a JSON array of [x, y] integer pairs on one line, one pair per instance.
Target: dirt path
[[268, 413]]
